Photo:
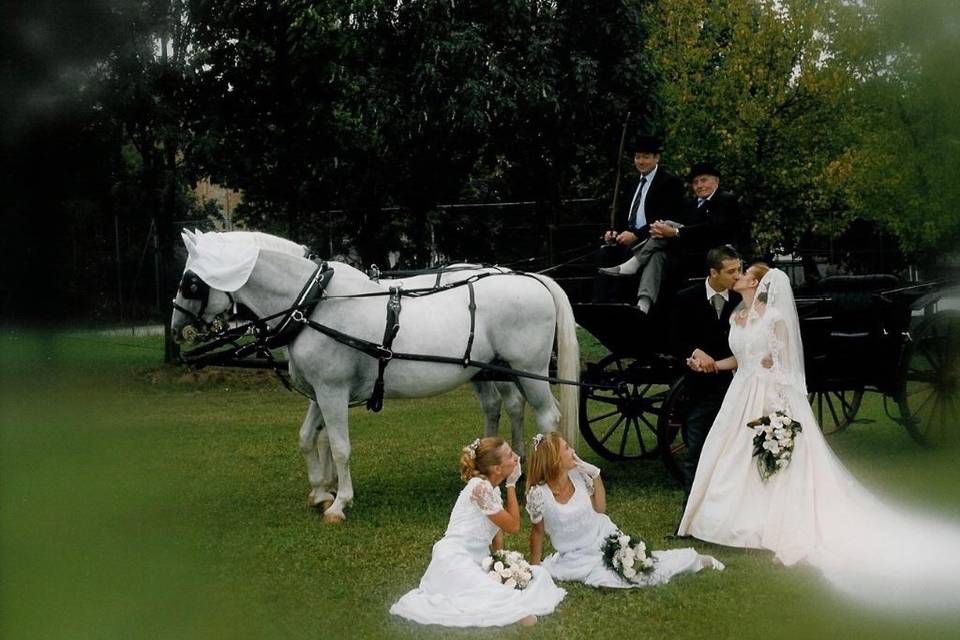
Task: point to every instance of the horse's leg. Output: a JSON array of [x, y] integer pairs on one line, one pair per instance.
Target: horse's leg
[[490, 403], [334, 409], [543, 403], [329, 480], [311, 446], [513, 402]]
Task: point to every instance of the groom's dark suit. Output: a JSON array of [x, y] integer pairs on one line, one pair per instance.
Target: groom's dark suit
[[695, 326]]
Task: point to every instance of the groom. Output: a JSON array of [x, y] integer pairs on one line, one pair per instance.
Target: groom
[[700, 328]]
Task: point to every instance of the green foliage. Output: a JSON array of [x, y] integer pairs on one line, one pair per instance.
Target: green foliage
[[820, 113], [363, 105], [764, 89], [902, 172]]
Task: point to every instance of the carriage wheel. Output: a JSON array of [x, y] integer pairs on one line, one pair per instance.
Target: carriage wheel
[[670, 431], [835, 410], [929, 397], [621, 423]]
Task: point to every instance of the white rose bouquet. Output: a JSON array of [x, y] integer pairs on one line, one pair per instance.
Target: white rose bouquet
[[773, 440], [508, 568], [627, 556]]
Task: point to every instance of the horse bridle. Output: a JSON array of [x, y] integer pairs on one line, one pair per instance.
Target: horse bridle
[[193, 288]]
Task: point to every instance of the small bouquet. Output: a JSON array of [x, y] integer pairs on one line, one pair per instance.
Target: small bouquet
[[627, 556], [773, 440], [508, 568]]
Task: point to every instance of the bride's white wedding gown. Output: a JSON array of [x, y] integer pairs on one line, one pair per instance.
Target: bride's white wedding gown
[[813, 510]]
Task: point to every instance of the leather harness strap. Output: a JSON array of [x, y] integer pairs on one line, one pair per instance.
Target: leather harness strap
[[375, 402]]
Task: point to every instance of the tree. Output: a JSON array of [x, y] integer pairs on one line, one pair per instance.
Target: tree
[[901, 173], [145, 91], [768, 90]]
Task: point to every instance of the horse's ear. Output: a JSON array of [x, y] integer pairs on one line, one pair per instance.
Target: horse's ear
[[189, 241]]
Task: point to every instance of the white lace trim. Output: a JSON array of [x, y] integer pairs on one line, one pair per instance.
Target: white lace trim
[[781, 373], [535, 503], [486, 496]]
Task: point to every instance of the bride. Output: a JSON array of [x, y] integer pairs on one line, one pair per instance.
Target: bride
[[810, 510]]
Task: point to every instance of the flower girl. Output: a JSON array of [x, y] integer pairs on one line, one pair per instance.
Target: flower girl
[[566, 499], [458, 589]]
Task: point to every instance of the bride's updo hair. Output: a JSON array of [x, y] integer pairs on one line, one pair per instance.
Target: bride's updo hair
[[544, 459], [759, 270], [478, 457]]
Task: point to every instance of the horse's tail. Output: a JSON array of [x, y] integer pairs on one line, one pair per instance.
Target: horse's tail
[[568, 361]]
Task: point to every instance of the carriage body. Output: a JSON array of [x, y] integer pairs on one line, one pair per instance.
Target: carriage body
[[860, 334]]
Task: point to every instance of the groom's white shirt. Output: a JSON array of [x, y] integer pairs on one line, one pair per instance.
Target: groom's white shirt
[[710, 291]]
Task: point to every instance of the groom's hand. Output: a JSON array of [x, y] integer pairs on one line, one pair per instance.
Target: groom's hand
[[704, 361]]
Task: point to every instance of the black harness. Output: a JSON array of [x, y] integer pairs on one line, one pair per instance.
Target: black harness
[[296, 317]]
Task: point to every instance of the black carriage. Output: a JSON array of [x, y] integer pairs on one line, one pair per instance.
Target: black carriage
[[860, 334]]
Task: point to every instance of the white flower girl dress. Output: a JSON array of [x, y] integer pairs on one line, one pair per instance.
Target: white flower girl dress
[[578, 533], [456, 591]]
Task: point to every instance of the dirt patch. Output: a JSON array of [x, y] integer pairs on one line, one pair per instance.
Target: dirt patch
[[211, 376]]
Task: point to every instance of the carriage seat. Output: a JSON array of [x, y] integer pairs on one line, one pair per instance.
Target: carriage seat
[[856, 318]]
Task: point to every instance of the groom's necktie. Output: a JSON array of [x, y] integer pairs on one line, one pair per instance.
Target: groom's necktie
[[718, 302], [632, 220]]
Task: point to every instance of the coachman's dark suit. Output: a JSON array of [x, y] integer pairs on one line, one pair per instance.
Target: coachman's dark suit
[[664, 201], [694, 325], [716, 222]]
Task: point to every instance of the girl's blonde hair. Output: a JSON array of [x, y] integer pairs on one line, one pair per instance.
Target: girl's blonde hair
[[478, 458], [544, 463]]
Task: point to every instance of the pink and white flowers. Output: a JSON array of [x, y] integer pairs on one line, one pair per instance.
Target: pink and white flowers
[[773, 441]]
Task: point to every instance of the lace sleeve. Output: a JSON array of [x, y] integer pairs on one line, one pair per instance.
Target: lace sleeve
[[535, 503], [486, 497], [785, 370]]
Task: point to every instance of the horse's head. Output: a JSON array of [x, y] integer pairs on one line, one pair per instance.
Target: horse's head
[[198, 310], [203, 304]]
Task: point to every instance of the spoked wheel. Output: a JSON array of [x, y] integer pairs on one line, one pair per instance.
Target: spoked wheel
[[619, 419], [835, 410], [929, 398], [670, 431]]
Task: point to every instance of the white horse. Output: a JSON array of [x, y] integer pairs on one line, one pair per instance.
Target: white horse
[[493, 395], [517, 316]]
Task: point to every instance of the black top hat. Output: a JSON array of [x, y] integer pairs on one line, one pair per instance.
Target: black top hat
[[646, 144], [702, 169]]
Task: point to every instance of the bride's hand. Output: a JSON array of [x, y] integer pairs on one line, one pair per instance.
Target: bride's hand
[[767, 362]]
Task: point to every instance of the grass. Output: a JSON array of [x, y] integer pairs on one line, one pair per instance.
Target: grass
[[138, 501]]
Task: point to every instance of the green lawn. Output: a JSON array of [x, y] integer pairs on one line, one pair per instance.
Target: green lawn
[[143, 502]]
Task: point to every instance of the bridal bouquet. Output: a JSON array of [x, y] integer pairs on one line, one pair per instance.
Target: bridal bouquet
[[773, 439], [626, 556], [508, 568]]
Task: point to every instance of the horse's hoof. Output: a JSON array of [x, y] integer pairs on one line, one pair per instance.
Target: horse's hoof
[[325, 504], [333, 518]]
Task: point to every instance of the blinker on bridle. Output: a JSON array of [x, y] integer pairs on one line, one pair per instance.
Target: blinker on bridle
[[193, 288]]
